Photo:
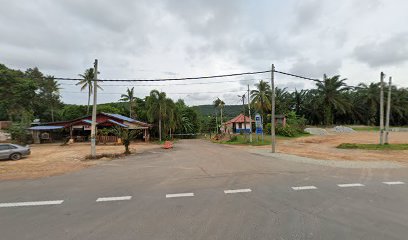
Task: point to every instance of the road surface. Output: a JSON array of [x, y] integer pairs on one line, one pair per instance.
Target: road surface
[[200, 190]]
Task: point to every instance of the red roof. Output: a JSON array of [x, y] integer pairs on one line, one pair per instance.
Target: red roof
[[239, 119]]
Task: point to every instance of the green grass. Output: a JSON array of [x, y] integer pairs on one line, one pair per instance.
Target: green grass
[[365, 128], [257, 141], [373, 146]]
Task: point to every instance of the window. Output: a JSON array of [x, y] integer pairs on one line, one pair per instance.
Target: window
[[4, 147], [240, 125]]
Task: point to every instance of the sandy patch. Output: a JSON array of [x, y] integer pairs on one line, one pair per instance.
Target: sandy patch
[[53, 159]]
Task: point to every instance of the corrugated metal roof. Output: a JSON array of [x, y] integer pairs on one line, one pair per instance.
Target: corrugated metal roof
[[45, 127], [121, 117], [117, 123], [87, 121], [239, 119]]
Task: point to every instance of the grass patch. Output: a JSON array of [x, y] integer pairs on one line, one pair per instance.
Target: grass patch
[[365, 128], [257, 140], [373, 146]]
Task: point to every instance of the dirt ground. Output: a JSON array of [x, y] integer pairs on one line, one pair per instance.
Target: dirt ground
[[53, 159], [324, 147]]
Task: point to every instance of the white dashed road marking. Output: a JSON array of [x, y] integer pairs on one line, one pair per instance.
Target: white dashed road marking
[[237, 191], [108, 199], [351, 185], [24, 204], [304, 188], [394, 183], [175, 195]]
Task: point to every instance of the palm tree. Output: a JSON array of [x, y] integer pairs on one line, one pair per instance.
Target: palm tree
[[129, 97], [261, 98], [298, 99], [331, 92], [369, 96], [52, 88], [87, 82], [218, 103], [156, 102]]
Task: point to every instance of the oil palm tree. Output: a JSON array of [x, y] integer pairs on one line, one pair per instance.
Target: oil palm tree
[[218, 103], [331, 92], [261, 98], [87, 83], [156, 108], [129, 97]]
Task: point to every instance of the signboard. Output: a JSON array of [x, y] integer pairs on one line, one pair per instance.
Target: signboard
[[258, 124]]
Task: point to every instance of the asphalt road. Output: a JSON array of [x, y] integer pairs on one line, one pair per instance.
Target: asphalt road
[[201, 190]]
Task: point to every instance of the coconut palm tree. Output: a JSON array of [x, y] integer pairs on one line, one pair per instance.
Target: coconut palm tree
[[129, 97], [156, 108], [261, 98], [87, 82], [218, 103], [331, 92]]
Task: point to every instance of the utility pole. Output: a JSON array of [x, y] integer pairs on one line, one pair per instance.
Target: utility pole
[[273, 138], [387, 119], [93, 126], [382, 108], [243, 111], [249, 112]]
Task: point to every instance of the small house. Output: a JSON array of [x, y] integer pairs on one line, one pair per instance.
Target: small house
[[238, 124]]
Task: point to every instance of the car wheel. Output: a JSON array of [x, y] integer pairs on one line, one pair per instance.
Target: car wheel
[[15, 156]]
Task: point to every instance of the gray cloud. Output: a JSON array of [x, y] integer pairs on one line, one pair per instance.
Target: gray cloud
[[145, 39], [392, 51], [305, 67]]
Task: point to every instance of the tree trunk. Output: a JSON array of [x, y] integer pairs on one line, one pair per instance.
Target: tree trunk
[[221, 117], [160, 131], [130, 109], [127, 149], [52, 113]]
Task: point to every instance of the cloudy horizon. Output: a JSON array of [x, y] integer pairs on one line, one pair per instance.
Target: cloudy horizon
[[170, 39]]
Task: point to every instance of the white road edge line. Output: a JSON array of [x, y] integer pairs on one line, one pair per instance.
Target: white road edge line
[[394, 183], [108, 199], [351, 185], [237, 191], [175, 195], [24, 204], [304, 188]]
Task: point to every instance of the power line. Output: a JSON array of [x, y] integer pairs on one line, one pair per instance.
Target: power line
[[162, 85], [298, 76], [166, 92], [166, 79]]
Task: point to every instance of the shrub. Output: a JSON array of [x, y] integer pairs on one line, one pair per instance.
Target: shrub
[[19, 133], [233, 138]]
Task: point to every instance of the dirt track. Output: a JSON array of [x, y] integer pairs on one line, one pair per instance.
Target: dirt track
[[324, 147], [53, 159]]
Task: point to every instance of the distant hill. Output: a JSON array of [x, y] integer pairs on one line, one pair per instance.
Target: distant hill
[[230, 111]]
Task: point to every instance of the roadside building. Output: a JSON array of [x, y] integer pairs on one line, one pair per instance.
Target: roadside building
[[79, 130], [237, 124]]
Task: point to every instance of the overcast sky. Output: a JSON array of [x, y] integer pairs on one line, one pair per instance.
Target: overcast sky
[[160, 39]]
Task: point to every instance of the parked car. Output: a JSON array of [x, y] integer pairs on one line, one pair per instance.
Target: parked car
[[13, 151]]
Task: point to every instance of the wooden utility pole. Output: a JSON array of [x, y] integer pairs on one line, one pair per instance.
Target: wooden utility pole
[[243, 111], [249, 112], [93, 126], [382, 108], [387, 119], [273, 138]]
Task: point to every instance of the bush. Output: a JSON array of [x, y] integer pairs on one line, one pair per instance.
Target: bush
[[233, 138], [19, 133]]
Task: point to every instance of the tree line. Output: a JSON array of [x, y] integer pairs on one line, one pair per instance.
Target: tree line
[[332, 101], [32, 95]]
